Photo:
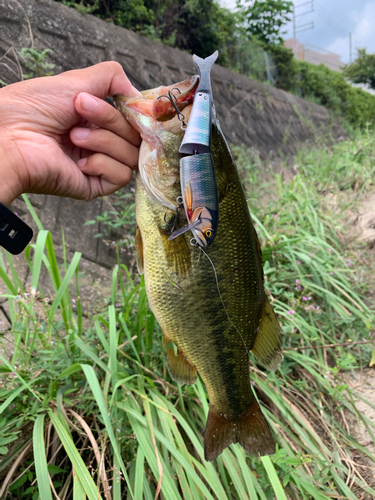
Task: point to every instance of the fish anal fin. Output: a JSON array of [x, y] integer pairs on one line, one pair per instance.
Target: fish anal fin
[[267, 345], [139, 249], [250, 430], [180, 369]]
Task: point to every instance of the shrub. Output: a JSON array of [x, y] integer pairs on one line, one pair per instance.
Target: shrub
[[330, 89]]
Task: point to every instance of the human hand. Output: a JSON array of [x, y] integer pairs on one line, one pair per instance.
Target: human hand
[[58, 136]]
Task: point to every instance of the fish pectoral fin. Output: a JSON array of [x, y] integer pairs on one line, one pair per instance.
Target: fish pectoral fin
[[250, 430], [180, 369], [267, 345], [139, 249], [177, 253]]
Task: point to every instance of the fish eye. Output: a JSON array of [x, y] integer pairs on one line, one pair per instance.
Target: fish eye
[[208, 233]]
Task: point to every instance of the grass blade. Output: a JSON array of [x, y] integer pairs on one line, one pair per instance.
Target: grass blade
[[272, 475], [78, 489], [64, 285], [95, 388], [83, 474], [33, 213], [40, 459]]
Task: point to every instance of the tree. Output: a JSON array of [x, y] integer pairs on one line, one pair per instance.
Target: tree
[[198, 26], [362, 70], [264, 19]]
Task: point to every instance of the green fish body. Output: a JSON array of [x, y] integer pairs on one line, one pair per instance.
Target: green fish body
[[212, 303]]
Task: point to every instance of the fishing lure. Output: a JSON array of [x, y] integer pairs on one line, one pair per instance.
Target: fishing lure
[[197, 172]]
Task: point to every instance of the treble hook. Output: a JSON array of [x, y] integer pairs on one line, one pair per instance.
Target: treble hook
[[172, 225], [173, 100]]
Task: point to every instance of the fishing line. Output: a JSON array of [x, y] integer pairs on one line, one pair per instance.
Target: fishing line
[[222, 301]]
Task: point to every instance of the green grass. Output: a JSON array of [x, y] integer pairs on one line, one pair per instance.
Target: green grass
[[88, 410]]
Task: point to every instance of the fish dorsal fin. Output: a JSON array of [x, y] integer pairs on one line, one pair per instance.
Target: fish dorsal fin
[[180, 369], [139, 249], [267, 345]]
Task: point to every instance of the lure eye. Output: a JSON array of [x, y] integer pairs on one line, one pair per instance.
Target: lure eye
[[208, 233]]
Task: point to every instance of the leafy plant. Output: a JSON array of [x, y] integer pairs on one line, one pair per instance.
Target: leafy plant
[[265, 19], [117, 227], [362, 70], [36, 61], [87, 403], [329, 88]]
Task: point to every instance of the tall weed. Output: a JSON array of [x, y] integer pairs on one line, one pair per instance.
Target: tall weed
[[91, 410]]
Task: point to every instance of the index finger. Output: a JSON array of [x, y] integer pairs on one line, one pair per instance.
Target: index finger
[[102, 80]]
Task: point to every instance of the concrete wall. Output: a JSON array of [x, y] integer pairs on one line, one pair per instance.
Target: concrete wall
[[250, 113]]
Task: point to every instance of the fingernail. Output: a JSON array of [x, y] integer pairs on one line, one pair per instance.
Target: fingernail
[[88, 102], [82, 162], [136, 92], [81, 133]]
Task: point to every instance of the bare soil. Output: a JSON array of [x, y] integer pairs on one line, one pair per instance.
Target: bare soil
[[362, 381]]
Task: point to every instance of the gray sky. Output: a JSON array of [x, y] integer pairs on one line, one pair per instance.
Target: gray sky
[[333, 21]]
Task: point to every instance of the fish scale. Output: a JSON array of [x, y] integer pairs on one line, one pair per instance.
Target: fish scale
[[211, 303]]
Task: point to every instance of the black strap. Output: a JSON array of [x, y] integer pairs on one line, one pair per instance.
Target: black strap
[[15, 235]]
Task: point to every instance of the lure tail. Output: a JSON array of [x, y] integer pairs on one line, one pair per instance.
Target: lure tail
[[250, 430], [197, 139], [204, 67]]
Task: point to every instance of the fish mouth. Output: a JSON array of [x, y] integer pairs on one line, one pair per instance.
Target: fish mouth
[[156, 104]]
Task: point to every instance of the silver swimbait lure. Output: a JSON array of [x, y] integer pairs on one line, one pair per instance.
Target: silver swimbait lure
[[197, 173]]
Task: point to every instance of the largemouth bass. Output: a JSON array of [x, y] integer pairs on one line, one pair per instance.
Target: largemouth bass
[[210, 303]]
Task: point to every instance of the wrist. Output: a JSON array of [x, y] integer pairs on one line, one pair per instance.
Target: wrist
[[10, 185]]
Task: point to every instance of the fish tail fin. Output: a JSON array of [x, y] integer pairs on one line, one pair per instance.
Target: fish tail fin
[[250, 430], [267, 345]]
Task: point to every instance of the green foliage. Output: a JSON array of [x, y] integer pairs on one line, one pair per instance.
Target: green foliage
[[199, 26], [117, 226], [330, 89], [264, 19], [286, 66], [319, 84], [36, 61], [249, 42], [89, 402], [362, 70]]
